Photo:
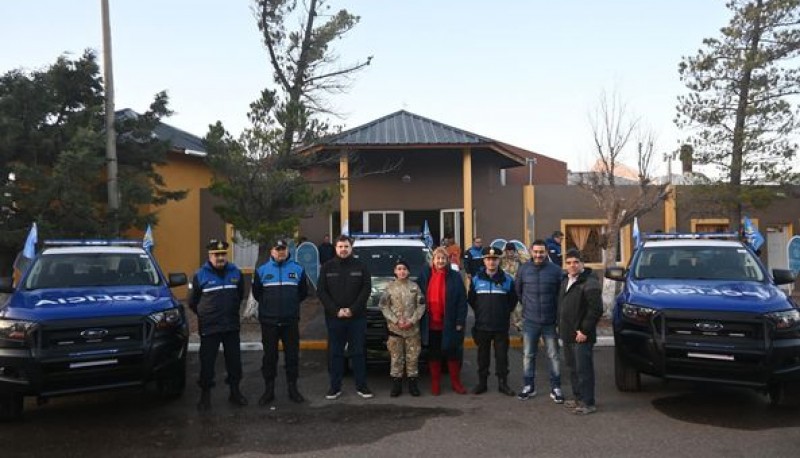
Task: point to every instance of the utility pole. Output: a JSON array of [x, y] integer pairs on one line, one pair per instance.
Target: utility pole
[[111, 134]]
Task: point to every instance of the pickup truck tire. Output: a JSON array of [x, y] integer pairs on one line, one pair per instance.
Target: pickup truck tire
[[10, 407], [172, 385], [626, 377]]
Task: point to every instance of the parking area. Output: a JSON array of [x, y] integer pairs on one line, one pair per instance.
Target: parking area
[[663, 420]]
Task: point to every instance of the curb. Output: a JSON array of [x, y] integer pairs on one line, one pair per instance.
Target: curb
[[320, 344]]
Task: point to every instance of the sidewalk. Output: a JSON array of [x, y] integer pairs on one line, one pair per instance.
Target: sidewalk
[[313, 333]]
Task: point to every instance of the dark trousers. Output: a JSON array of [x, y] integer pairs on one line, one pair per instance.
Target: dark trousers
[[289, 335], [351, 332], [484, 341], [209, 347], [580, 363]]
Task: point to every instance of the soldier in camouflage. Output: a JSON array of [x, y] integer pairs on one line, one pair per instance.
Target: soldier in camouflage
[[509, 264], [403, 305]]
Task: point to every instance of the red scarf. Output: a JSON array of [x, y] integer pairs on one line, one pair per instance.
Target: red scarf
[[436, 299]]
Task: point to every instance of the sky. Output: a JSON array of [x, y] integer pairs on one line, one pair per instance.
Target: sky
[[525, 72]]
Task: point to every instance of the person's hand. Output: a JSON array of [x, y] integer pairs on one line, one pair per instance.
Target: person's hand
[[344, 313], [580, 337], [459, 327]]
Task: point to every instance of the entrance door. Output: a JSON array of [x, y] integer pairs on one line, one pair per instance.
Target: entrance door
[[451, 222], [383, 221], [777, 240]]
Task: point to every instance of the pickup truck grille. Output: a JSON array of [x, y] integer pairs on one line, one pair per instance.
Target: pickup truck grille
[[70, 337]]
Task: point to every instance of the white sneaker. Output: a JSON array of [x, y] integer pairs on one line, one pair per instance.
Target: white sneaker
[[528, 391]]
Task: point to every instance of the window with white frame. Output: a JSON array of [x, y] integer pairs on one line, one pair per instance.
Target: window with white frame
[[383, 221]]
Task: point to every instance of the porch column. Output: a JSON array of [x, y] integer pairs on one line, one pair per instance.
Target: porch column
[[529, 212], [670, 211], [467, 182], [344, 196]]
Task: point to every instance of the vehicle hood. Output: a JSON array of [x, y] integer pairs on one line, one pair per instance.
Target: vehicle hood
[[69, 303], [712, 295]]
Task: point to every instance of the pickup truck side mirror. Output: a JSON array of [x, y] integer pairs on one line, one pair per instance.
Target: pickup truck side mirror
[[615, 273], [6, 285], [783, 276], [177, 279]]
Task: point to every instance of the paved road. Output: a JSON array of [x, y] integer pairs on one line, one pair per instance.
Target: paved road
[[663, 420]]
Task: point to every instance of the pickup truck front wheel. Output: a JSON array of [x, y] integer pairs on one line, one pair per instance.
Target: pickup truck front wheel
[[626, 377], [10, 407], [172, 384]]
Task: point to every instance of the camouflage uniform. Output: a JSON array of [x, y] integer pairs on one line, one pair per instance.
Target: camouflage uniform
[[510, 265], [403, 299]]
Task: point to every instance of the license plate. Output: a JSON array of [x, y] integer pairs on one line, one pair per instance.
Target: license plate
[[714, 356], [102, 362]]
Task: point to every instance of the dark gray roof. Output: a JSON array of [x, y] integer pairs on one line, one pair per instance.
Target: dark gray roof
[[404, 128], [180, 139]]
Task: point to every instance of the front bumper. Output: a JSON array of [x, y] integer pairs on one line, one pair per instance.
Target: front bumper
[[132, 354], [744, 352]]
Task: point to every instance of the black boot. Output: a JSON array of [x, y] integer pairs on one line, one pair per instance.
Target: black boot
[[502, 386], [481, 387], [294, 394], [413, 389], [205, 400], [236, 397], [269, 394], [397, 387]]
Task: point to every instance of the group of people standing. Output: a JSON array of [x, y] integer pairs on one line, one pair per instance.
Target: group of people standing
[[431, 312]]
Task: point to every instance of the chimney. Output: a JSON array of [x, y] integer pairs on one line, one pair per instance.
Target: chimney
[[686, 153]]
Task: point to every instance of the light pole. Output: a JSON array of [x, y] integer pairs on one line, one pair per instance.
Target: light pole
[[111, 135]]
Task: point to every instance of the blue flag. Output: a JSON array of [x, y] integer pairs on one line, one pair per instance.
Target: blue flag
[[147, 242], [426, 234], [636, 235], [752, 235], [30, 243]]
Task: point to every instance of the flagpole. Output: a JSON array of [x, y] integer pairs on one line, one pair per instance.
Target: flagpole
[[111, 135]]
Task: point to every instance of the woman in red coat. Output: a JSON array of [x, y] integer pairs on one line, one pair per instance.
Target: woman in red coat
[[442, 327]]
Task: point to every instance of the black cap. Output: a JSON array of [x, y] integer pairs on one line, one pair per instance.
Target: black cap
[[558, 234], [402, 262], [510, 246], [492, 252], [217, 246], [279, 243]]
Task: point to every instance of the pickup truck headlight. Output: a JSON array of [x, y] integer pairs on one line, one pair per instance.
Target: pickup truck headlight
[[15, 331], [786, 319], [166, 319], [638, 313]]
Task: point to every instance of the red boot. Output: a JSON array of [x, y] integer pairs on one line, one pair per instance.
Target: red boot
[[436, 376], [454, 367]]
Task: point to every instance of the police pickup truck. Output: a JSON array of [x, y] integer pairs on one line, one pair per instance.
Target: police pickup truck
[[703, 308], [89, 316], [379, 252]]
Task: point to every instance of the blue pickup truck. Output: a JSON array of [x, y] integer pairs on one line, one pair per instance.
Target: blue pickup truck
[[704, 308], [90, 316]]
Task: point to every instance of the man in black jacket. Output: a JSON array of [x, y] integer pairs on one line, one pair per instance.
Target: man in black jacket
[[580, 306], [492, 298], [280, 286], [344, 287]]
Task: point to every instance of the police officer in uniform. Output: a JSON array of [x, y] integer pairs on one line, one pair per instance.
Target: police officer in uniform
[[279, 286], [217, 293]]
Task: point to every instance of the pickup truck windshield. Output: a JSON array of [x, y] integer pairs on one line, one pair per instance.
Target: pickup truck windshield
[[91, 269], [698, 262], [380, 260]]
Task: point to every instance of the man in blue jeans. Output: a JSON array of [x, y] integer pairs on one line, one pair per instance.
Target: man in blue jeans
[[537, 284], [344, 287], [580, 306]]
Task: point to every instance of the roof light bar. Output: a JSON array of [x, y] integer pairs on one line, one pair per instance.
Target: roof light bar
[[91, 242], [387, 235], [694, 235]]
